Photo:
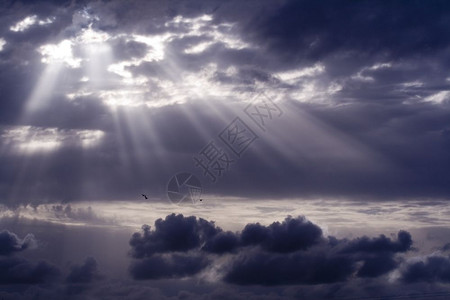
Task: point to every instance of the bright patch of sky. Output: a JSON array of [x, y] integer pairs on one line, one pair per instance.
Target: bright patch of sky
[[362, 77], [30, 139], [2, 44], [438, 98], [59, 53], [182, 85], [28, 22]]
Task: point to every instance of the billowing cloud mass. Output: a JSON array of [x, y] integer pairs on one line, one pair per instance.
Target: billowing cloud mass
[[294, 251], [16, 270], [430, 269], [85, 273], [10, 243], [173, 266], [174, 234], [289, 236]]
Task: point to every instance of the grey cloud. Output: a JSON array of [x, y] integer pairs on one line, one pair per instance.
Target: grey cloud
[[174, 266], [299, 268], [380, 244], [291, 252], [432, 269], [85, 273], [175, 233], [291, 235], [21, 271], [10, 243]]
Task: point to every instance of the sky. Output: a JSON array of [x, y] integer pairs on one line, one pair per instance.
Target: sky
[[258, 149]]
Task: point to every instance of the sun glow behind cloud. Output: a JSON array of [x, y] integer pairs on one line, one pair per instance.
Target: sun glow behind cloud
[[133, 90], [103, 72], [234, 213], [2, 44], [30, 139], [28, 22], [59, 53]]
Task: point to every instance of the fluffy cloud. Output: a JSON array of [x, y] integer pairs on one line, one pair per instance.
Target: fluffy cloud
[[380, 244], [14, 270], [10, 243], [291, 235], [431, 269], [85, 273], [290, 252], [175, 233], [331, 261]]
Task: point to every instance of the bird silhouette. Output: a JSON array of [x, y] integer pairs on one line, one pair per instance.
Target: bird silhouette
[[145, 196]]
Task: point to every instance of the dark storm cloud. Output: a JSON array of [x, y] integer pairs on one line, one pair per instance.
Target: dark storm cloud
[[175, 233], [312, 30], [173, 266], [380, 244], [291, 252], [221, 242], [300, 268], [431, 269], [334, 261], [10, 243], [291, 235], [20, 271], [377, 265], [85, 273]]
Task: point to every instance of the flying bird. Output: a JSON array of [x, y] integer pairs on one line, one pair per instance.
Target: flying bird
[[145, 196]]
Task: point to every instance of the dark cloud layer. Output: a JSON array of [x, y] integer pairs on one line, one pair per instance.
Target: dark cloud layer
[[223, 265], [85, 273], [289, 236], [20, 271], [311, 30], [291, 252], [380, 244], [173, 234], [173, 266], [10, 243], [431, 269], [299, 268]]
